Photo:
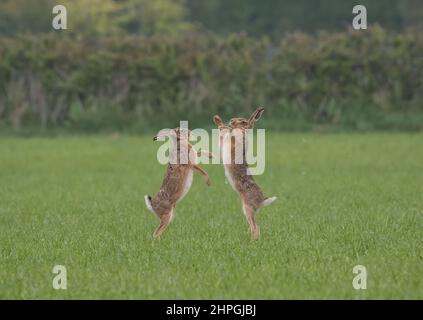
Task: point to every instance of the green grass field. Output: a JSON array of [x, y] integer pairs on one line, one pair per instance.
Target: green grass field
[[343, 200]]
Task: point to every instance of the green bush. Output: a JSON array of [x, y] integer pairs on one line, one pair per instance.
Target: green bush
[[361, 80]]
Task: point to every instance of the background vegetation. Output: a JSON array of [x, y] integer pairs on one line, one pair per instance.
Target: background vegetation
[[361, 80], [272, 18], [139, 65]]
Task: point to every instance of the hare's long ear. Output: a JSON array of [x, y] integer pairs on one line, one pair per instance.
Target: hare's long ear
[[218, 120], [255, 116]]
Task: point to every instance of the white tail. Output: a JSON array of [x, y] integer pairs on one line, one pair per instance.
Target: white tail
[[268, 201], [148, 203]]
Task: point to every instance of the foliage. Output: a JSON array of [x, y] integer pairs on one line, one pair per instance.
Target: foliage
[[95, 18], [272, 18], [154, 17], [275, 17], [361, 80]]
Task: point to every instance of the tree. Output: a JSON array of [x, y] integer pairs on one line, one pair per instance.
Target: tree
[[153, 17], [25, 16], [276, 17], [93, 17], [96, 17]]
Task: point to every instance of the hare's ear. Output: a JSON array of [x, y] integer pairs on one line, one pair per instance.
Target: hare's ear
[[218, 120], [256, 116]]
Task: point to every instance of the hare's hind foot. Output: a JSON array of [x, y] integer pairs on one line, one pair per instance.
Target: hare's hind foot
[[255, 233], [165, 220], [250, 214]]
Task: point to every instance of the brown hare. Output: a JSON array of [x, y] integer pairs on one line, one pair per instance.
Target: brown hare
[[178, 177], [237, 173]]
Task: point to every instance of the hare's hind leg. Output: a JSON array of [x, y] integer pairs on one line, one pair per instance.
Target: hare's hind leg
[[250, 214], [165, 220]]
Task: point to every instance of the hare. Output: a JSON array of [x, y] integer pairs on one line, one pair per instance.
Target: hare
[[178, 177], [230, 138]]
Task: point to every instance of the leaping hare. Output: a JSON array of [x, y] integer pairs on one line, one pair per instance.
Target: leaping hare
[[230, 138], [178, 178]]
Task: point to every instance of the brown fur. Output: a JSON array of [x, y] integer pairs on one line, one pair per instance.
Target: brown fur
[[174, 185], [252, 196]]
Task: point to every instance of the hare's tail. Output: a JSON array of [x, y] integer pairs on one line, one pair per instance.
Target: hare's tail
[[148, 203], [268, 201]]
